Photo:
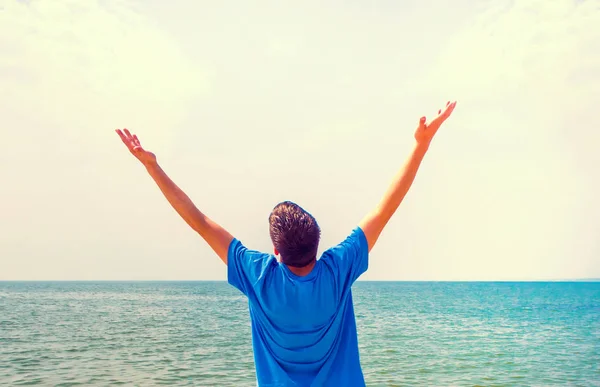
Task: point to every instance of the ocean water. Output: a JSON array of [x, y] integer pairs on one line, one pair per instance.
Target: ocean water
[[198, 333]]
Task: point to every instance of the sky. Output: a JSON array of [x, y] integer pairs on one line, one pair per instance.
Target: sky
[[247, 104]]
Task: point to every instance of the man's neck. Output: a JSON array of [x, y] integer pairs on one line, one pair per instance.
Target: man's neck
[[302, 271]]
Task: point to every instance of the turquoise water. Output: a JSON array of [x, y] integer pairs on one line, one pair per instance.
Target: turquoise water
[[198, 333]]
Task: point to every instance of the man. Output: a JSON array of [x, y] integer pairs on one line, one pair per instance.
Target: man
[[301, 310]]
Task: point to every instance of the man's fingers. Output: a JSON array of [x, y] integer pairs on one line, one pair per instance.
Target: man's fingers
[[127, 140], [129, 137], [120, 133], [136, 141], [449, 108]]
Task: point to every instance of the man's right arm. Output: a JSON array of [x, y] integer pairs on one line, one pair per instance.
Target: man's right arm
[[374, 223]]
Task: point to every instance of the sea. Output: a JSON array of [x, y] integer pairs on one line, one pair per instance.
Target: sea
[[198, 334]]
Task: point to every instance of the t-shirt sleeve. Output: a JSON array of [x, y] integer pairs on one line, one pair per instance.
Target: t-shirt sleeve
[[245, 267], [350, 258]]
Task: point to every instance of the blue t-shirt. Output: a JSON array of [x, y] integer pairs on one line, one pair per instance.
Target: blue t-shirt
[[303, 328]]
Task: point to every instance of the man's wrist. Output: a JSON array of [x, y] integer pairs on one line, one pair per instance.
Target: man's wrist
[[421, 146], [150, 165]]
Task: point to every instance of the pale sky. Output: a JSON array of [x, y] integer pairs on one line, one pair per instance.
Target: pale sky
[[248, 103]]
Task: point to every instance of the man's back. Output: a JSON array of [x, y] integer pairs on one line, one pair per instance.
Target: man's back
[[303, 328]]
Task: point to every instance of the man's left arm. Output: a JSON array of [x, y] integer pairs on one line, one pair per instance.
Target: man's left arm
[[216, 236]]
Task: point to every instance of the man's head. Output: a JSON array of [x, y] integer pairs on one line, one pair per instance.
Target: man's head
[[295, 234]]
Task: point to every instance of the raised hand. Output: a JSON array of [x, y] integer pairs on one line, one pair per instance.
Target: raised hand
[[425, 131], [134, 146]]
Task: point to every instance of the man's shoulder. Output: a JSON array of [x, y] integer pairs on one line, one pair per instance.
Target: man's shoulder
[[246, 267], [239, 249], [355, 240]]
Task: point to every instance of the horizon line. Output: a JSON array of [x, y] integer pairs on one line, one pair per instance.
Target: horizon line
[[215, 280]]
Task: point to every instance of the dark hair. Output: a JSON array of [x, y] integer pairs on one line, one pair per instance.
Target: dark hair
[[295, 234]]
